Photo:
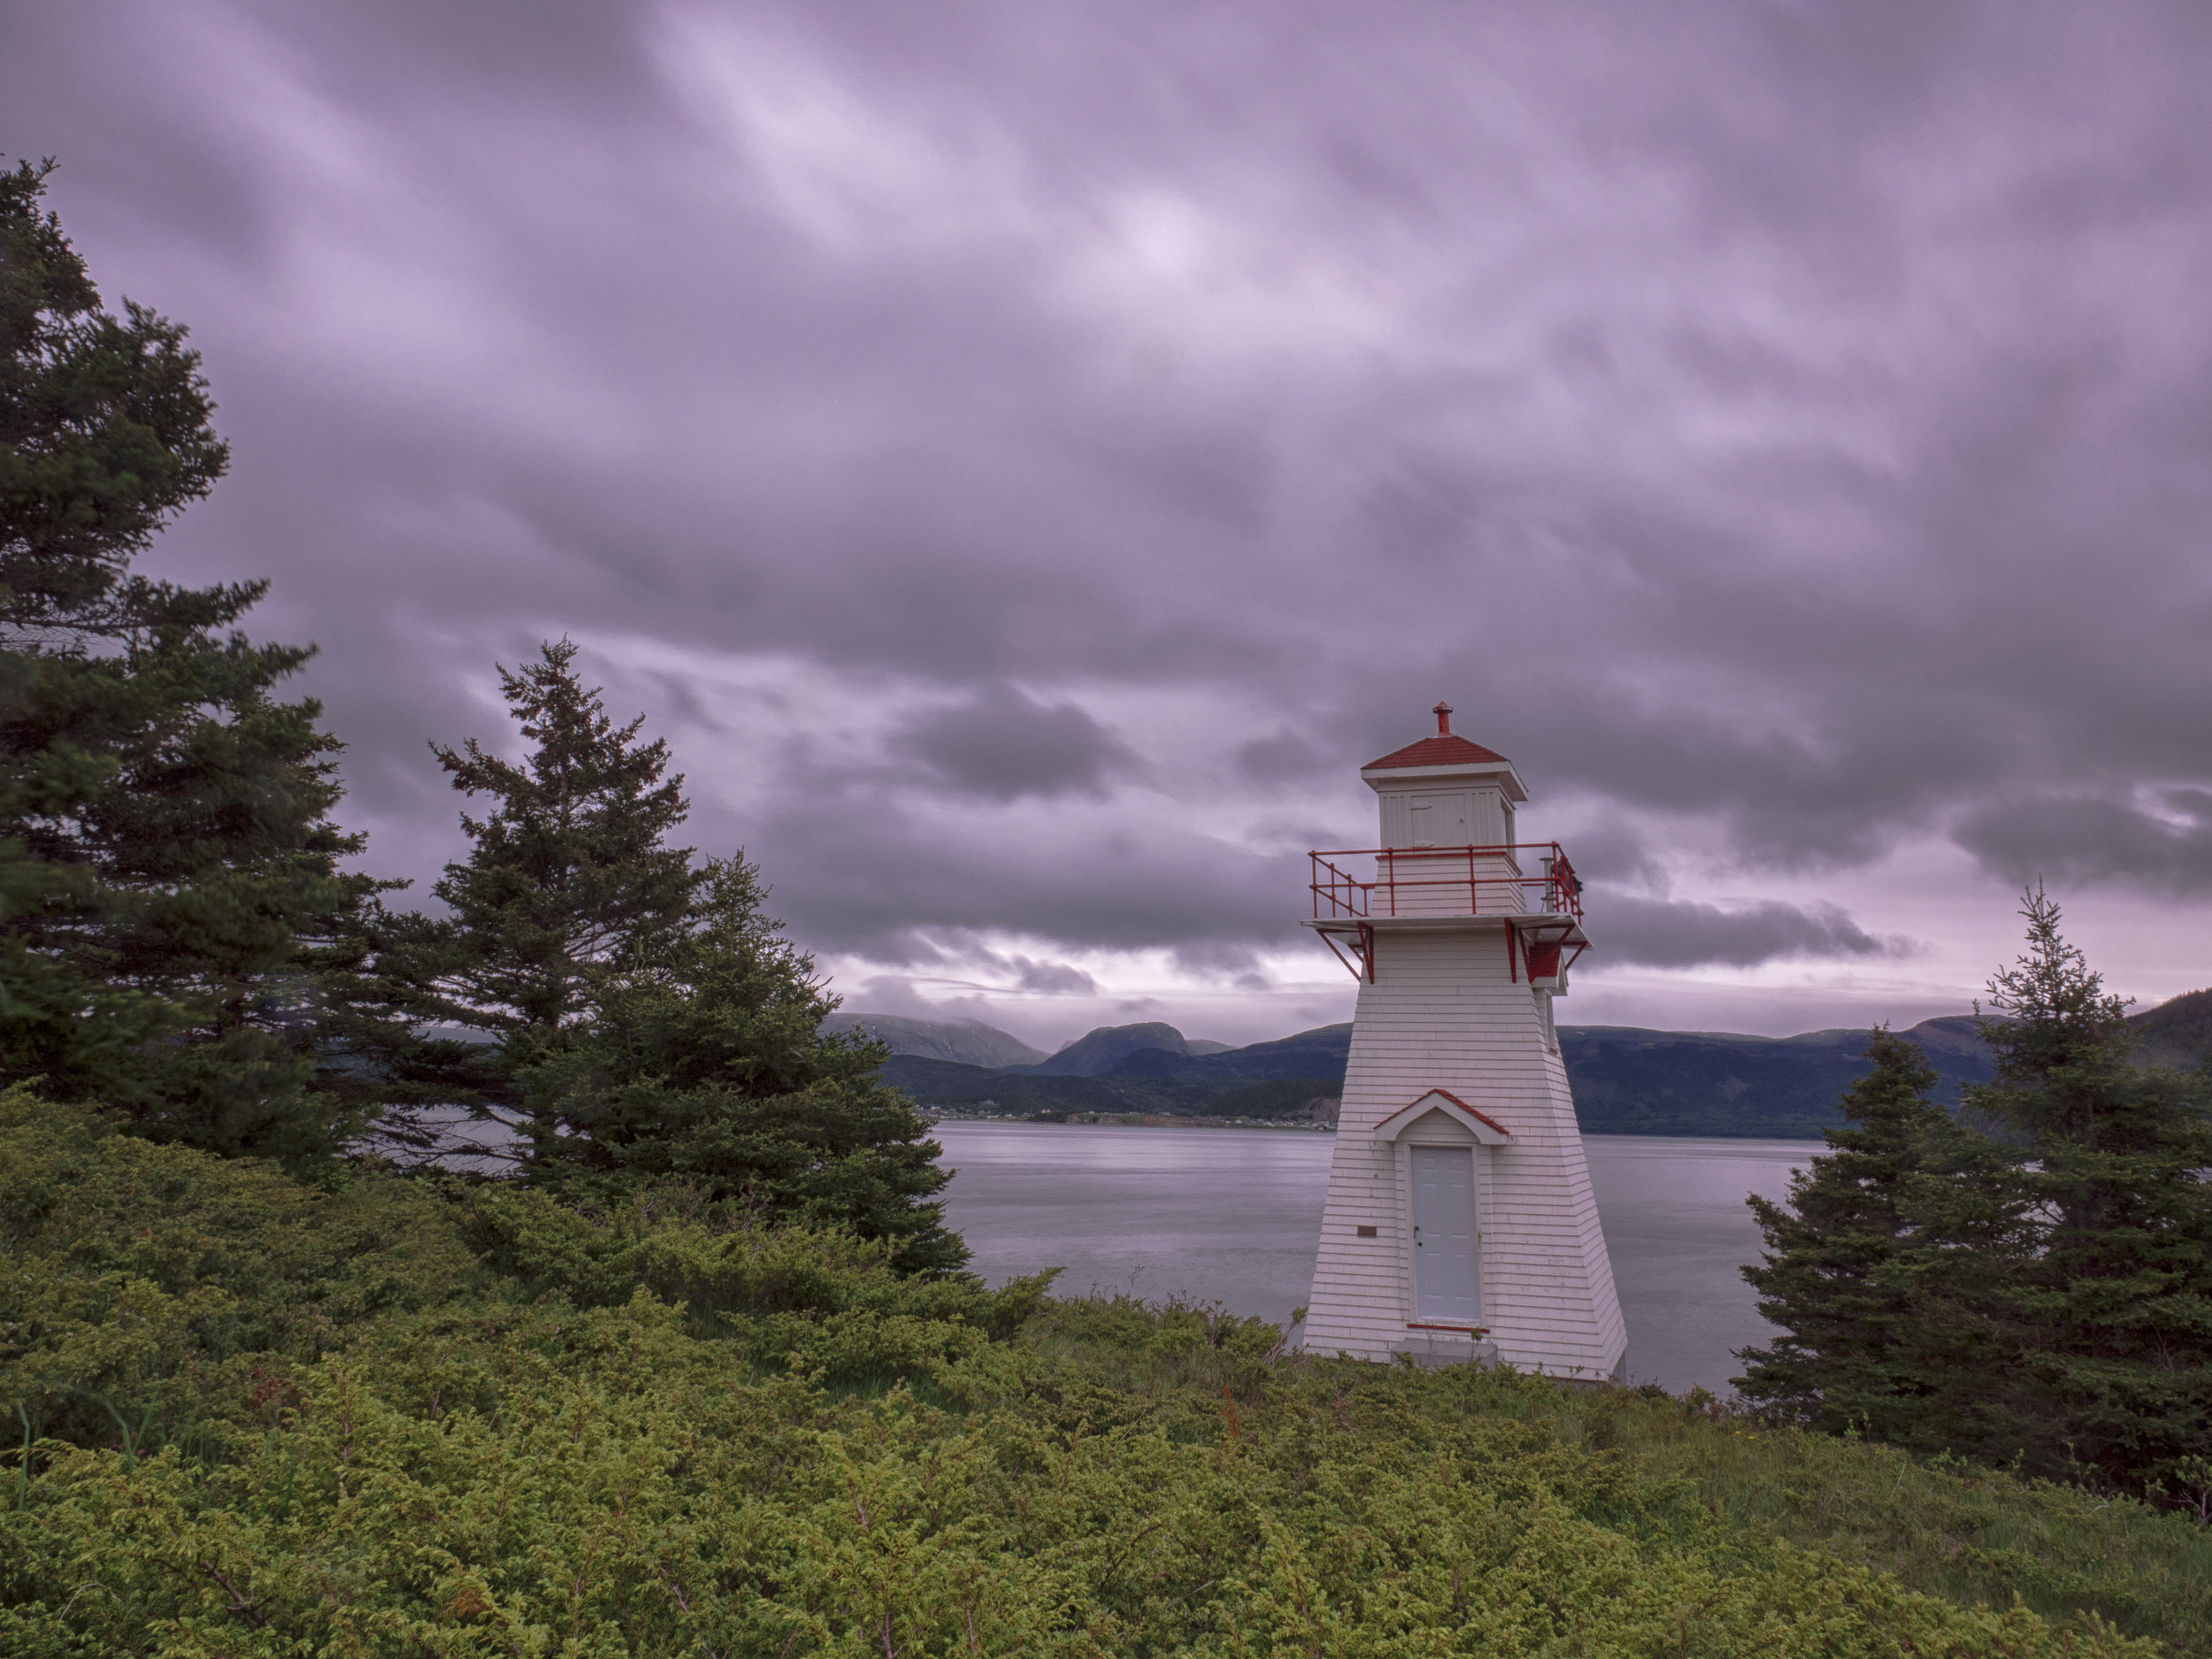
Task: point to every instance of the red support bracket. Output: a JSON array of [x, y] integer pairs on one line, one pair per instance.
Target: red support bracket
[[1361, 963]]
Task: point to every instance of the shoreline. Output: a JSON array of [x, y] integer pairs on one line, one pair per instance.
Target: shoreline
[[1164, 1120], [1126, 1120]]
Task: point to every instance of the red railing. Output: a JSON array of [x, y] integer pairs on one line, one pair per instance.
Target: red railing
[[1447, 881]]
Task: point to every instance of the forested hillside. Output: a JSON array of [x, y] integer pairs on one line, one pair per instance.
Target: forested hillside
[[2176, 1032], [1626, 1080], [1630, 1081]]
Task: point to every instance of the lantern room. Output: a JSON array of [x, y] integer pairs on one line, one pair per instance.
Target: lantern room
[[1445, 791], [1447, 851]]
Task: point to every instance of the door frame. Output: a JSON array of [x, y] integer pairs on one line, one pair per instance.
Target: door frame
[[1409, 1272]]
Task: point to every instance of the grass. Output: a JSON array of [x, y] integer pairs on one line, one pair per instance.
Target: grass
[[194, 1343], [1969, 1535]]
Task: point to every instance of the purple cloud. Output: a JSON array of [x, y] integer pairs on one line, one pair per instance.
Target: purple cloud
[[1028, 458]]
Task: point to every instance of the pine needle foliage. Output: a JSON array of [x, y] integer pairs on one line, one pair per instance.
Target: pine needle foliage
[[1881, 1265], [175, 928], [704, 1062], [2040, 1296], [569, 874], [2115, 1307], [647, 1021], [105, 436]]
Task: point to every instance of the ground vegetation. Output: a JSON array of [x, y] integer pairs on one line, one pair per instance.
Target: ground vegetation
[[408, 1416]]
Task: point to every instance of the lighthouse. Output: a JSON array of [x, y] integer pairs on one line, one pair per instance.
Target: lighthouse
[[1459, 1223]]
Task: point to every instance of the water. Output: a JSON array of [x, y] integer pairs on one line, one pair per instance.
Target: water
[[1232, 1216], [1679, 1230]]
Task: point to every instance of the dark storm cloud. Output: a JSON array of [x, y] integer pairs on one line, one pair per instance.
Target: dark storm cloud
[[1670, 934], [1778, 427], [1047, 979], [1001, 745], [2085, 838], [900, 887]]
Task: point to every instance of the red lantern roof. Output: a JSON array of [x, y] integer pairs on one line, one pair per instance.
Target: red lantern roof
[[1443, 749], [1439, 751]]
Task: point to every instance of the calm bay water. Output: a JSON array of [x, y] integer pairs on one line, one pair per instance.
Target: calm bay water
[[1232, 1216]]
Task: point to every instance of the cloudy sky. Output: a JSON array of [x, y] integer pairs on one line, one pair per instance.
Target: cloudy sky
[[1026, 456]]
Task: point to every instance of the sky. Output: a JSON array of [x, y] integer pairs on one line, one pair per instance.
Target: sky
[[1026, 456]]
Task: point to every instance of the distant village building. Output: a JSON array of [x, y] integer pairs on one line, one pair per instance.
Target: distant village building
[[1459, 1223]]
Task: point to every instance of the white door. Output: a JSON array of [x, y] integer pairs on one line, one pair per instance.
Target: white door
[[1446, 1289]]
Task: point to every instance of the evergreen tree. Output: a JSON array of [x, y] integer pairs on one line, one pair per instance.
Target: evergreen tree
[[705, 1063], [567, 876], [105, 436], [648, 1023], [170, 893], [2116, 1304], [1883, 1268]]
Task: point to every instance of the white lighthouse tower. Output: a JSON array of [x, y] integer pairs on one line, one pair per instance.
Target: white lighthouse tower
[[1459, 1223]]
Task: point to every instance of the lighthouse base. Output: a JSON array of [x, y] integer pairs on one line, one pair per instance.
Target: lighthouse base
[[1460, 1226], [1431, 1354]]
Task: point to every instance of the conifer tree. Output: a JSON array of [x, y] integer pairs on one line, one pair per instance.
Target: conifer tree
[[1883, 1267], [568, 873], [170, 893], [705, 1063], [2115, 1306], [648, 1023]]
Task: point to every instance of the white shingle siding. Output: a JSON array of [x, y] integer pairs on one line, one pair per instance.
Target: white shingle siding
[[1445, 1011]]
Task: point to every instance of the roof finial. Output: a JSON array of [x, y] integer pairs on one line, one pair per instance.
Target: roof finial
[[1443, 713]]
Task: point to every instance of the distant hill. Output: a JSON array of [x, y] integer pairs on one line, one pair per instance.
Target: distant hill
[[973, 1089], [1320, 1052], [943, 1084], [2177, 1032], [1626, 1080], [967, 1041], [1098, 1051], [1630, 1081]]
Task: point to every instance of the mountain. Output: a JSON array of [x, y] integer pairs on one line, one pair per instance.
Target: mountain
[[974, 1088], [1626, 1080], [1318, 1052], [1098, 1051], [967, 1042], [1630, 1081], [942, 1083], [2176, 1032]]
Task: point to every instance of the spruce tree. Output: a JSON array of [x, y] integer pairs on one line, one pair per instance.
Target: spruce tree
[[705, 1063], [2115, 1306], [568, 873], [1882, 1268], [170, 889], [646, 1022], [105, 436]]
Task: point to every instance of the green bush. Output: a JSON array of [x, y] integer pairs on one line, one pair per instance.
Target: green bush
[[486, 1423], [137, 1275]]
